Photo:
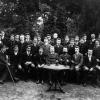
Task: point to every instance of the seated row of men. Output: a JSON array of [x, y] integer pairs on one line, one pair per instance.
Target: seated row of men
[[29, 64]]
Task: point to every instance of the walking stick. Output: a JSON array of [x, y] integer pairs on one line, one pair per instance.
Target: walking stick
[[10, 74], [10, 71]]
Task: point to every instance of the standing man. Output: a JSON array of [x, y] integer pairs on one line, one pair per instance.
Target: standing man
[[46, 47], [58, 47], [92, 41]]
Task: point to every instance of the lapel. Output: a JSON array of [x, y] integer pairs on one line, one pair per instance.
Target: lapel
[[76, 56]]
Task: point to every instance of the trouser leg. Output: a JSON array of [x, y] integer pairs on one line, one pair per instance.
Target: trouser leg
[[77, 77], [98, 77], [85, 76], [93, 77], [5, 73]]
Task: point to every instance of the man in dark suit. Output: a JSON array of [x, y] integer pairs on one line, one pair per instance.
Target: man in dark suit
[[40, 43], [15, 61], [55, 36], [71, 47], [66, 41], [89, 67], [17, 40], [46, 47], [58, 47], [22, 45], [92, 41], [27, 62], [35, 46], [11, 42], [40, 62], [96, 53], [83, 46], [77, 62]]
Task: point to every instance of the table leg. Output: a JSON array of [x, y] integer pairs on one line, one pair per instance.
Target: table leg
[[50, 88], [60, 89]]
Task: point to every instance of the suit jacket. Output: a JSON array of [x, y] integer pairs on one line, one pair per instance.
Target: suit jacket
[[26, 58], [96, 52], [35, 49], [2, 59], [71, 50], [46, 49], [90, 64], [91, 44], [22, 47], [15, 59], [83, 48], [59, 49], [66, 59], [78, 59], [40, 59]]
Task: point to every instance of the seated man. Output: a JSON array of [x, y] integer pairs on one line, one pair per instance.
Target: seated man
[[52, 56], [27, 63], [4, 65], [96, 53], [15, 61], [89, 67], [65, 59], [40, 62], [77, 62], [52, 59]]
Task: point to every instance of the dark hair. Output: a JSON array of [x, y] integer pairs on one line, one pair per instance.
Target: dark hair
[[58, 38], [77, 47]]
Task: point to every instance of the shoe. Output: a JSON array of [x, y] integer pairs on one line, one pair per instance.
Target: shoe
[[42, 82], [50, 82], [38, 82], [84, 84], [1, 82], [16, 79], [94, 85]]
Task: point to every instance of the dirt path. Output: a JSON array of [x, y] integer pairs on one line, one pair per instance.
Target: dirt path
[[32, 91]]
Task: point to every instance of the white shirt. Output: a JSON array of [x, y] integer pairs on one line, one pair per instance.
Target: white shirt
[[89, 58]]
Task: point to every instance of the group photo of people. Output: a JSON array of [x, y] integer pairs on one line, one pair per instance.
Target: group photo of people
[[26, 57], [49, 49]]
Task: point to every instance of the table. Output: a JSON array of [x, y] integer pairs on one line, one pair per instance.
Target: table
[[55, 69]]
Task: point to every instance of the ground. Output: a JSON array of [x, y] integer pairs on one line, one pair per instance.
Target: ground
[[32, 91]]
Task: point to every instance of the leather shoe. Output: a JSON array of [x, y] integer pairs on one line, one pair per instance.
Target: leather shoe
[[1, 82]]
